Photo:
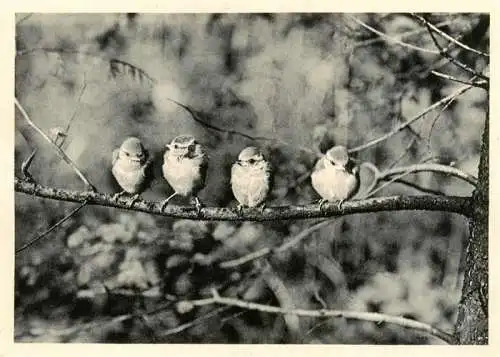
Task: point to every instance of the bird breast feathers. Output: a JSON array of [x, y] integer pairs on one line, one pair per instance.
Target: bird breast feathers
[[333, 184], [250, 180], [184, 175]]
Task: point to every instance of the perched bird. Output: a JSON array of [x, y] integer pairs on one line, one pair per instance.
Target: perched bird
[[335, 177], [185, 167], [251, 178], [131, 164]]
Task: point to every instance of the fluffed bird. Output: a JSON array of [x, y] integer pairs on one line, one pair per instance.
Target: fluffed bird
[[185, 167], [251, 178], [335, 176], [131, 164]]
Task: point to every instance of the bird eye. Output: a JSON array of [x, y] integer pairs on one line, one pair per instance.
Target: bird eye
[[126, 153], [176, 146], [251, 161]]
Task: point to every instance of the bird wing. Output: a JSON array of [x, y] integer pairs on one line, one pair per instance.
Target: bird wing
[[320, 164], [270, 176], [147, 163], [204, 167], [355, 171], [115, 156]]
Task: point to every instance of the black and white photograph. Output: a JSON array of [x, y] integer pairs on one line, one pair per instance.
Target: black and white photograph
[[305, 178]]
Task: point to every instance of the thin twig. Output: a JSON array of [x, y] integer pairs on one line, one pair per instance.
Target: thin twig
[[444, 53], [404, 153], [261, 253], [432, 167], [405, 170], [56, 148], [456, 204], [363, 316], [194, 322], [479, 84], [390, 38], [434, 121], [410, 121], [394, 179], [68, 125], [400, 36], [296, 239], [53, 227], [451, 39]]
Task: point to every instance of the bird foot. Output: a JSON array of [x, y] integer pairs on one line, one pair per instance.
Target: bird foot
[[164, 203], [116, 196], [262, 208], [322, 203], [198, 205], [339, 205], [25, 167], [239, 209], [133, 200]]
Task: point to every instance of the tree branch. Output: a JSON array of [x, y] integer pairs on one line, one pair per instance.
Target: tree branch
[[438, 168], [50, 229], [480, 84], [400, 36], [445, 53], [410, 121], [456, 204], [451, 39], [261, 253], [390, 38], [56, 148], [363, 316]]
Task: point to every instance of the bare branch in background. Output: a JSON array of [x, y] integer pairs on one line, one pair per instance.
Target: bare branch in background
[[451, 39], [435, 120], [75, 111], [391, 39], [410, 121], [194, 322], [50, 229], [480, 84], [56, 148], [401, 36], [261, 253], [444, 53], [362, 316], [421, 167]]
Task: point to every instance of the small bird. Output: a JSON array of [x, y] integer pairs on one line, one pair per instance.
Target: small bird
[[131, 165], [185, 167], [251, 178], [335, 176]]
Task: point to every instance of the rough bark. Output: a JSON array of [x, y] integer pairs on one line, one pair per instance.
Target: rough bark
[[455, 204], [472, 321]]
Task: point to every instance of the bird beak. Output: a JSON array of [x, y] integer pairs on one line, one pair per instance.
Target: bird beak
[[135, 158]]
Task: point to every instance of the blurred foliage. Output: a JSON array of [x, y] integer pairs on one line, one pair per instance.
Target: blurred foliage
[[309, 80]]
